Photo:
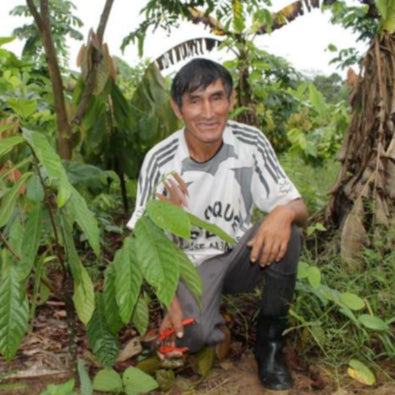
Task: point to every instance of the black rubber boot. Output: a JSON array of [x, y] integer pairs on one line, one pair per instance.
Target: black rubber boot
[[277, 295], [272, 368]]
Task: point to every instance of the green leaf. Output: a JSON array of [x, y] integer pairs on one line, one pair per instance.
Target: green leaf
[[104, 344], [9, 199], [373, 322], [141, 316], [73, 260], [107, 380], [84, 296], [387, 12], [60, 389], [8, 143], [14, 312], [361, 372], [156, 257], [136, 381], [31, 241], [317, 100], [190, 275], [195, 221], [109, 299], [314, 277], [85, 382], [332, 47], [128, 279], [205, 360], [34, 189], [85, 219], [169, 217], [23, 107], [15, 239], [51, 162], [165, 379], [238, 16], [6, 40], [352, 301], [303, 270]]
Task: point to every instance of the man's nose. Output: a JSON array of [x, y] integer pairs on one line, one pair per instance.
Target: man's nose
[[207, 109]]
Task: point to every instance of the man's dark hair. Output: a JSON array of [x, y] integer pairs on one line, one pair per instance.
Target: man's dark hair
[[199, 74]]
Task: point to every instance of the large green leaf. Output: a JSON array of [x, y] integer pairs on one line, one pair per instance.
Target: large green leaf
[[73, 259], [195, 221], [373, 322], [81, 214], [151, 106], [14, 237], [104, 344], [141, 316], [31, 240], [51, 162], [107, 380], [23, 107], [238, 16], [317, 100], [8, 143], [314, 277], [128, 279], [352, 301], [14, 312], [387, 12], [360, 372], [110, 303], [84, 296], [169, 217], [136, 381], [9, 199], [190, 275], [34, 189], [157, 259]]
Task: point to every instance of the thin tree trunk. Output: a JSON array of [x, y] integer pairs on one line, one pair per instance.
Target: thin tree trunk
[[63, 136]]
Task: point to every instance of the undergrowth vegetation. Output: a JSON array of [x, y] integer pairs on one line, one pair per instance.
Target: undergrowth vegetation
[[62, 221]]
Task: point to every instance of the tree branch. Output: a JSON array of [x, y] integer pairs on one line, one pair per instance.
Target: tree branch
[[104, 19], [9, 246], [33, 10]]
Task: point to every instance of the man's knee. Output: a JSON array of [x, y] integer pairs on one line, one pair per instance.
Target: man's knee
[[288, 265]]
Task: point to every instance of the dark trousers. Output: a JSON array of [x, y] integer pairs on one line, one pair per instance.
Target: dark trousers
[[232, 273]]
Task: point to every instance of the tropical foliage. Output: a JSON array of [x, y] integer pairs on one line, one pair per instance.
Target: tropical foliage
[[60, 198]]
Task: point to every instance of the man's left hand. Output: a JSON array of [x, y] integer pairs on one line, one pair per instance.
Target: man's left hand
[[270, 242]]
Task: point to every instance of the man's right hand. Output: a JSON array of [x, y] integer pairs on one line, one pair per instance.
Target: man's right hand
[[173, 318], [177, 191]]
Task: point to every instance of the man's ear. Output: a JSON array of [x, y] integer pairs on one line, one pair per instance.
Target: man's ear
[[176, 110]]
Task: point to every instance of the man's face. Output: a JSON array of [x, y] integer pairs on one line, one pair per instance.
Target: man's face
[[205, 113]]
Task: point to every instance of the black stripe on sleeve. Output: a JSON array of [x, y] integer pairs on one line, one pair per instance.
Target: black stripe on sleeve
[[255, 137], [261, 177], [158, 159]]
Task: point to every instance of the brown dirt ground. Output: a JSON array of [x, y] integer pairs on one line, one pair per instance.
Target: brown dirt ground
[[43, 359]]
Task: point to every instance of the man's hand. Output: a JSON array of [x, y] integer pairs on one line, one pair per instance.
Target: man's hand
[[173, 318], [177, 191], [270, 242]]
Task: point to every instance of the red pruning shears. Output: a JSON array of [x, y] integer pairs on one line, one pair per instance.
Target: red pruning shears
[[166, 348]]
